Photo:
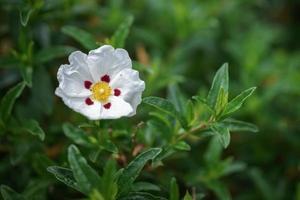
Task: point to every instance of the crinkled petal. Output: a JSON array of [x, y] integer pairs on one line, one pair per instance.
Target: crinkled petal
[[71, 82], [119, 108], [107, 61], [78, 62], [78, 104], [131, 87]]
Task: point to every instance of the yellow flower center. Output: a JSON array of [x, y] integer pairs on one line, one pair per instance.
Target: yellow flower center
[[101, 91]]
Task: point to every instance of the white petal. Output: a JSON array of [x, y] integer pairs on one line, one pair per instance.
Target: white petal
[[131, 87], [71, 82], [119, 108], [78, 104], [107, 60], [78, 62]]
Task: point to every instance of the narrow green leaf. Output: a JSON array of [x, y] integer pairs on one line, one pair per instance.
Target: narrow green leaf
[[81, 36], [33, 127], [86, 177], [187, 196], [238, 101], [219, 189], [64, 175], [212, 154], [174, 191], [95, 195], [119, 37], [177, 98], [167, 107], [222, 133], [142, 196], [50, 53], [77, 135], [222, 100], [132, 171], [145, 186], [182, 145], [109, 187], [9, 194], [220, 80], [25, 15], [26, 73], [237, 125], [8, 101]]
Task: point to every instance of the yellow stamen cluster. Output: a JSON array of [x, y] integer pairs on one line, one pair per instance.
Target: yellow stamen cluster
[[101, 91]]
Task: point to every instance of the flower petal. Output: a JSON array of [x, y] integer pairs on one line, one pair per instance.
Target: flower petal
[[116, 109], [107, 61], [71, 82], [78, 104], [131, 87], [78, 62]]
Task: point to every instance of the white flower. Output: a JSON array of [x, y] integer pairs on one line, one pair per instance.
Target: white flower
[[100, 85]]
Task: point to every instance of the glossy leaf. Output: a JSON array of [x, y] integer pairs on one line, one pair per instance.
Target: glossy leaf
[[132, 171], [237, 125], [142, 196], [33, 127], [77, 135], [238, 101], [145, 186], [109, 187], [64, 175], [221, 80], [165, 106], [222, 134], [85, 176]]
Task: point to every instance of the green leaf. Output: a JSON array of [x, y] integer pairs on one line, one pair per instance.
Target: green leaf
[[26, 72], [50, 53], [81, 36], [25, 14], [219, 189], [167, 107], [222, 134], [95, 195], [182, 145], [33, 127], [109, 187], [141, 196], [9, 194], [187, 196], [145, 186], [120, 35], [174, 191], [177, 98], [132, 171], [64, 175], [222, 100], [86, 177], [9, 99], [213, 152], [238, 101], [237, 125], [220, 80], [77, 135]]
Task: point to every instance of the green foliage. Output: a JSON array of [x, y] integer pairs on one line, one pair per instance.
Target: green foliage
[[188, 116], [8, 101], [81, 36]]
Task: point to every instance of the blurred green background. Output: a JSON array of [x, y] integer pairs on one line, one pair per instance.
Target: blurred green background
[[180, 42]]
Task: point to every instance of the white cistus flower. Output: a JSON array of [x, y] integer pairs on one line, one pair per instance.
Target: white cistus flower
[[100, 85]]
